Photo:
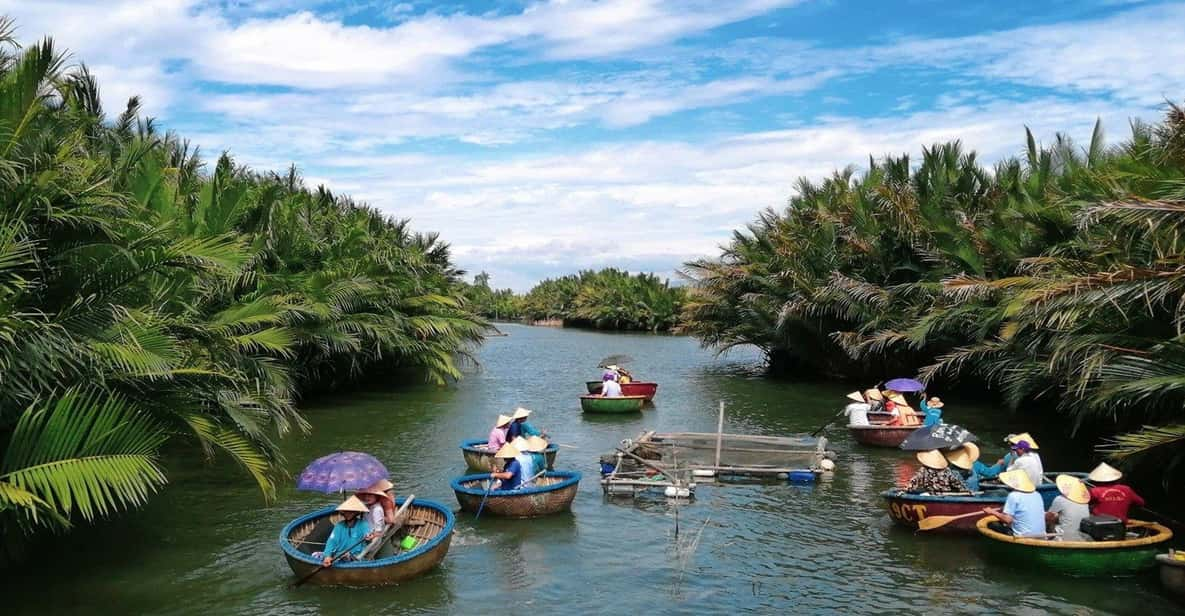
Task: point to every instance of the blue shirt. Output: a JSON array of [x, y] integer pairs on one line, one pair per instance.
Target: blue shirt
[[516, 476], [970, 478], [343, 537], [991, 472], [521, 428], [1028, 513], [933, 415]]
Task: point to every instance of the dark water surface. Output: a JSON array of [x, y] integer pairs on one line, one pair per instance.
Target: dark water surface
[[208, 544]]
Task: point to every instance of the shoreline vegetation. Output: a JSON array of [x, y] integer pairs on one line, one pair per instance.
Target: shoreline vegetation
[[150, 301], [1055, 280]]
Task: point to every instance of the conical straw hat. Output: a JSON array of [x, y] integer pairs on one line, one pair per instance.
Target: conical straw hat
[[932, 459], [855, 397], [537, 444], [873, 394], [353, 504], [520, 443], [964, 456], [507, 451], [1072, 488], [1017, 480], [1013, 439], [378, 488], [1104, 472], [521, 413], [899, 399], [935, 402], [503, 420]]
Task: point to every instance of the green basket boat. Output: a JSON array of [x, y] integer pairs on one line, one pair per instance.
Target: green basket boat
[[621, 404], [1081, 558]]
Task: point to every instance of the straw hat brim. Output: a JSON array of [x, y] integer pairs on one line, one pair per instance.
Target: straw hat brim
[[964, 457], [1023, 436], [381, 485], [855, 397], [932, 459], [1105, 472], [899, 399], [521, 413], [1072, 488], [536, 444], [507, 451], [1017, 480], [503, 420], [874, 394], [353, 504], [935, 403]]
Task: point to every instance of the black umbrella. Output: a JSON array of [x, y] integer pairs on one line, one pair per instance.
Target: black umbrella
[[939, 436]]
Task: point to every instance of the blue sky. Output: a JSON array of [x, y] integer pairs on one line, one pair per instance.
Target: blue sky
[[543, 137]]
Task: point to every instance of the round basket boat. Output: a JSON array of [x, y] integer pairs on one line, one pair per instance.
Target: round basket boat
[[478, 458], [1172, 574], [552, 493], [633, 388], [881, 435], [429, 523], [1081, 558], [620, 404], [907, 509]]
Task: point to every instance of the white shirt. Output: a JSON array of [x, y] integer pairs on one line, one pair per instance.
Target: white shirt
[[611, 389], [1030, 463], [857, 413], [378, 519]]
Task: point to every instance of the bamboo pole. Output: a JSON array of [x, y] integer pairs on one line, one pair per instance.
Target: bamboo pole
[[719, 432]]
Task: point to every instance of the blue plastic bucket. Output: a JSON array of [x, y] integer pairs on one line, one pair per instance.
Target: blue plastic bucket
[[800, 477], [607, 468]]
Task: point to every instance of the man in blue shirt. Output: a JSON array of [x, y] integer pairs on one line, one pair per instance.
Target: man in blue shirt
[[520, 426], [348, 535], [512, 474], [1024, 509]]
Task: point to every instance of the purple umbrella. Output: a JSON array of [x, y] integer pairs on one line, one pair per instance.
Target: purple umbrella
[[341, 471], [905, 385]]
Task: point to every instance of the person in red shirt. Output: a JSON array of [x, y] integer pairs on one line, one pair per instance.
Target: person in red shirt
[[1108, 496]]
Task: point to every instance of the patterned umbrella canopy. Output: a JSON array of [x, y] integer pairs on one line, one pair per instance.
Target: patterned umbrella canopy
[[341, 471]]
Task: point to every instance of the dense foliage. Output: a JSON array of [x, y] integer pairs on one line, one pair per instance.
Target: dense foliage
[[1058, 278], [607, 299], [146, 300], [501, 304]]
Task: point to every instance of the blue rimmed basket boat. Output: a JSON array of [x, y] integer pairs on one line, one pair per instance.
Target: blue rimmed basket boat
[[478, 458], [429, 522], [909, 509], [552, 493]]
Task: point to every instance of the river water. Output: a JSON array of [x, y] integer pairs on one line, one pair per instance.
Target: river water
[[207, 544]]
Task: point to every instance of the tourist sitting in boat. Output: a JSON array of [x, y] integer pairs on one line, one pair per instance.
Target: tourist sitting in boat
[[379, 499], [934, 477], [1024, 509], [519, 425], [609, 387], [511, 475], [536, 445], [857, 411], [991, 472], [1068, 509], [1108, 496], [1027, 459], [348, 534], [623, 375], [500, 434], [932, 408], [526, 461], [898, 407], [964, 459]]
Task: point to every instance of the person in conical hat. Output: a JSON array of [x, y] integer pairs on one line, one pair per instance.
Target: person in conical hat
[[1028, 461], [520, 426], [500, 434], [964, 459], [348, 537], [511, 476], [932, 408], [1108, 496], [1024, 509], [537, 445], [855, 397], [379, 504], [934, 477], [526, 460], [1068, 509], [1013, 439]]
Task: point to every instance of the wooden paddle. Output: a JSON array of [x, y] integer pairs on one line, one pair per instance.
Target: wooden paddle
[[400, 515], [938, 521]]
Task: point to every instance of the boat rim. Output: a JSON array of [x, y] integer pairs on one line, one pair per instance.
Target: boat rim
[[986, 497], [570, 478], [449, 519], [600, 397], [1161, 534], [910, 428], [469, 445]]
